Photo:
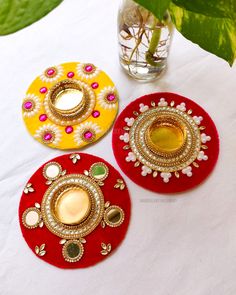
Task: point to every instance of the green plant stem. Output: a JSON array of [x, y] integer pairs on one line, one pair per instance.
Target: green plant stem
[[153, 47]]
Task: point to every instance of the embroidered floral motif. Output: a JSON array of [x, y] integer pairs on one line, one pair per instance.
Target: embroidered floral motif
[[129, 121], [202, 156], [49, 134], [108, 98], [86, 132], [87, 71], [125, 137], [187, 171], [181, 107], [131, 157], [31, 105], [163, 103], [120, 184], [40, 250], [106, 249], [52, 74], [143, 108], [28, 188], [205, 138], [197, 119], [166, 176], [146, 170], [75, 158]]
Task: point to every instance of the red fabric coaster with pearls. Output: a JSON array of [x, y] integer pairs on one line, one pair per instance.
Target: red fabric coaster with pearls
[[165, 142], [70, 105], [74, 211]]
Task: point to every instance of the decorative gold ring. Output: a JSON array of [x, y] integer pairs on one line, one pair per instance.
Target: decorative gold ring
[[55, 97], [144, 146], [61, 208], [83, 226]]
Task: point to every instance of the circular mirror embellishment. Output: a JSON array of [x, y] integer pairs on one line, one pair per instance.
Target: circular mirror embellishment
[[72, 208], [165, 139], [32, 217], [70, 105], [114, 216], [52, 171], [99, 171], [72, 251]]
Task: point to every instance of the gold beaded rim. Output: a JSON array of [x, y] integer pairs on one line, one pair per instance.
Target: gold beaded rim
[[90, 223], [56, 90], [171, 122], [164, 162], [75, 115]]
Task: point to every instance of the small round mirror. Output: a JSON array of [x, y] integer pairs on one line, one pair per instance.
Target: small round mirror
[[52, 171], [99, 171], [31, 218], [72, 251], [114, 216]]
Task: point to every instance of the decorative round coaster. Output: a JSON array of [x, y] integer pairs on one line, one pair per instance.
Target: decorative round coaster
[[74, 211], [70, 106], [165, 143]]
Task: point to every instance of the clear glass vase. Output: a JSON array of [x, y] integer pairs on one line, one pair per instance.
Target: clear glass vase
[[144, 41]]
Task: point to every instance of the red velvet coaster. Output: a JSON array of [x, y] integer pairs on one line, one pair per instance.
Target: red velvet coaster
[[165, 143], [74, 211]]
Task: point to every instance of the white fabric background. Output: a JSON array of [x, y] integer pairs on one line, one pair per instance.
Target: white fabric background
[[175, 245]]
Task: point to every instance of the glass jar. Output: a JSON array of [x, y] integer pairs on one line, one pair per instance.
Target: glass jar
[[144, 41]]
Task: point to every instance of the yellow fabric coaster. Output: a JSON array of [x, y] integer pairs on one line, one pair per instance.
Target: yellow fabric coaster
[[70, 105]]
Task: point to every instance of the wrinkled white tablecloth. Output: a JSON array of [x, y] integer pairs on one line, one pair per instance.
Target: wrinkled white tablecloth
[[175, 246]]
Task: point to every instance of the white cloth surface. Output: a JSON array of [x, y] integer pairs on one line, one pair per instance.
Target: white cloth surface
[[178, 245]]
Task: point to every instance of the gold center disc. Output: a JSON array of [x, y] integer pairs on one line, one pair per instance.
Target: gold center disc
[[72, 206], [166, 137]]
